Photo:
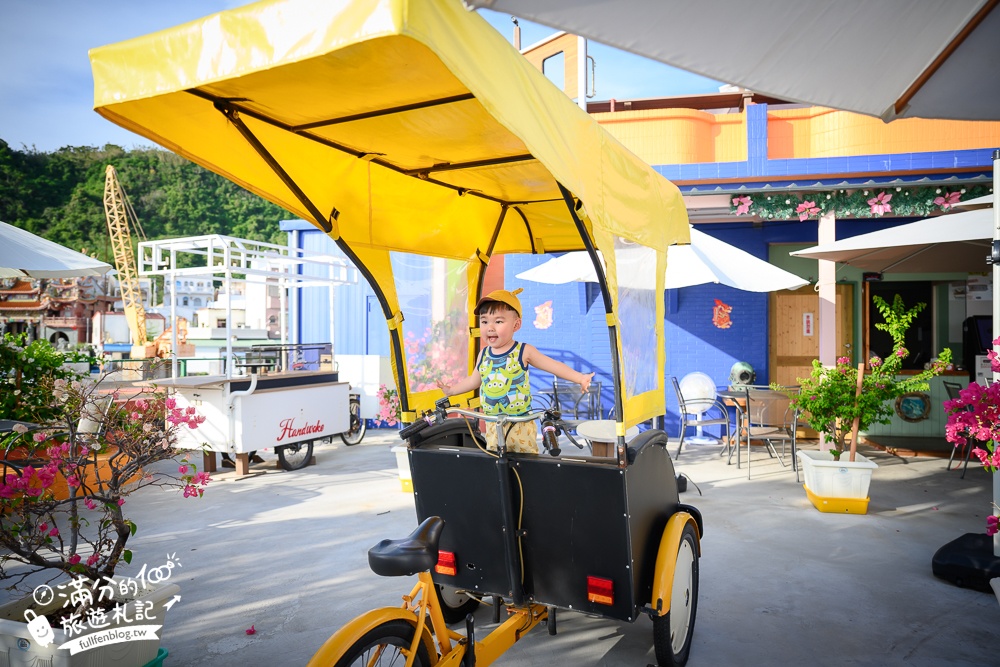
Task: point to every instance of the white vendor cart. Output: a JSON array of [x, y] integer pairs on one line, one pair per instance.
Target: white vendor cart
[[285, 396], [286, 411]]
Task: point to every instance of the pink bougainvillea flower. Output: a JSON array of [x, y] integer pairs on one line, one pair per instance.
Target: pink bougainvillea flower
[[948, 200], [843, 360], [251, 630], [806, 208], [742, 204], [90, 504], [992, 525], [880, 204], [182, 469], [93, 558], [171, 403], [74, 559], [39, 437], [901, 352], [121, 501], [43, 527], [54, 532]]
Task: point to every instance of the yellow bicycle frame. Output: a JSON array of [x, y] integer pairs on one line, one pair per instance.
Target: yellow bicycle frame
[[417, 607]]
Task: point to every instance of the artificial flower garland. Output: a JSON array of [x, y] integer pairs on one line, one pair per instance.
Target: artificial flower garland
[[861, 203]]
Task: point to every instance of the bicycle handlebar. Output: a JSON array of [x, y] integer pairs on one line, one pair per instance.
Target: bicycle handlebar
[[552, 423]]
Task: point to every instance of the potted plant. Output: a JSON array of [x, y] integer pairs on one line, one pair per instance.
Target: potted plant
[[975, 414], [844, 400], [64, 525]]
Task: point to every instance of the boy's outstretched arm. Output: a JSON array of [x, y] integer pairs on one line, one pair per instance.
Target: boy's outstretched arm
[[533, 357], [462, 386]]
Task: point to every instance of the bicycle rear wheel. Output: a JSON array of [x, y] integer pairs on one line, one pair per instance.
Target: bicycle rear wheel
[[382, 646], [358, 425]]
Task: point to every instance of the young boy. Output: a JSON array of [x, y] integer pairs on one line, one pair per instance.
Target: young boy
[[502, 371]]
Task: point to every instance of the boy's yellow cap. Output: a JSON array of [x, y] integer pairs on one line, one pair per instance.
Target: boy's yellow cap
[[503, 296]]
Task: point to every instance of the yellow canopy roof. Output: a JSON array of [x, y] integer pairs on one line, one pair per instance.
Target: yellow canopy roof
[[414, 120]]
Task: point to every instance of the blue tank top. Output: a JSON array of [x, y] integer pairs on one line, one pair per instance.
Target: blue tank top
[[505, 388]]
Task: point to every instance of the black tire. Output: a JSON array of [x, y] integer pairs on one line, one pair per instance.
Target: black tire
[[358, 425], [381, 646], [454, 604], [672, 632], [293, 457]]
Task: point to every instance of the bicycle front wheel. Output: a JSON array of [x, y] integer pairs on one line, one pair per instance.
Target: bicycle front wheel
[[383, 646], [294, 457]]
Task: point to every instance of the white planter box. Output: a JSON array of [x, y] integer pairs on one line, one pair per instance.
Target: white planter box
[[403, 464], [836, 486], [22, 650]]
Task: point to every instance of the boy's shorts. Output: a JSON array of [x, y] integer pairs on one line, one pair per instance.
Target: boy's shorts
[[521, 437]]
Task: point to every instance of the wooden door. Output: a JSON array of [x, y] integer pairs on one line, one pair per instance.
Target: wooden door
[[794, 334]]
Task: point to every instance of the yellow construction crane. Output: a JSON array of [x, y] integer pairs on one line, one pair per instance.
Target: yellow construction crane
[[121, 218]]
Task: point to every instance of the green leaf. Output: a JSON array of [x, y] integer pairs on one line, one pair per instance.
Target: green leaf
[[127, 556]]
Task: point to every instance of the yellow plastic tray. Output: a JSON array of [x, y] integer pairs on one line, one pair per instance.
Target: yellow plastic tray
[[838, 505]]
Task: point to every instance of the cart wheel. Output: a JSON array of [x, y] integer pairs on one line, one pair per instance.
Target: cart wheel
[[672, 633], [382, 646], [358, 425], [455, 605], [293, 457]]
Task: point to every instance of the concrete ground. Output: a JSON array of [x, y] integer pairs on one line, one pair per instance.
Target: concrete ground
[[781, 583]]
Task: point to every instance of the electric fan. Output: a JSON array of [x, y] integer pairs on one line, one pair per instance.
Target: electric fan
[[698, 390]]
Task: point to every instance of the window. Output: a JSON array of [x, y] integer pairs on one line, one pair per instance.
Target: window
[[184, 301], [554, 69], [919, 337]]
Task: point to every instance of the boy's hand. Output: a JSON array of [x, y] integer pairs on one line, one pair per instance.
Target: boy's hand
[[585, 382], [446, 388]]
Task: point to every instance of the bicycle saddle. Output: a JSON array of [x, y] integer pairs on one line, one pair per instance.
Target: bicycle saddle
[[415, 553]]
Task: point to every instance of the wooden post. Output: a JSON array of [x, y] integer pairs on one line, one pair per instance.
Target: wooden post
[[857, 418]]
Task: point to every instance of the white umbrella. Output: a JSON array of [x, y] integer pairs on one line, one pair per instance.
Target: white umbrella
[[955, 242], [890, 59], [24, 255], [706, 260]]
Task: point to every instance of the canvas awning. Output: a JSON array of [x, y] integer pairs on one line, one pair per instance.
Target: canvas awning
[[890, 59], [951, 243], [25, 255], [705, 260]]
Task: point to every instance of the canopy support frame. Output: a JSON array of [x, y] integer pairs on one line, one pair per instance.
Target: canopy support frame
[[233, 115], [231, 107], [612, 329]]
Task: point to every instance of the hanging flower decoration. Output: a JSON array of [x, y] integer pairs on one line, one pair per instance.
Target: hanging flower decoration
[[806, 209], [906, 202], [880, 204], [742, 204], [948, 200]]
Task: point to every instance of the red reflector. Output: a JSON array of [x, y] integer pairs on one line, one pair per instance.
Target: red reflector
[[446, 564], [600, 590]]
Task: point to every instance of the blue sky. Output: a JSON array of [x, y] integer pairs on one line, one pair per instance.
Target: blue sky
[[46, 97]]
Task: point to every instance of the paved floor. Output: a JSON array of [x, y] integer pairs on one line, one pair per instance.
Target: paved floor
[[781, 583]]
